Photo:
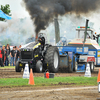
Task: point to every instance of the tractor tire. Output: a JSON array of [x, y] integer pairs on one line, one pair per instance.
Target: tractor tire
[[92, 66], [74, 64], [52, 59], [17, 68], [70, 69], [39, 66]]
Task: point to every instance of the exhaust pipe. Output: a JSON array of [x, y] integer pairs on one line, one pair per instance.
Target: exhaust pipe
[[85, 31], [57, 31]]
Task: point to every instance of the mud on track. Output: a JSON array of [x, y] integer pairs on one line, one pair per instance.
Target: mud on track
[[84, 93], [10, 73]]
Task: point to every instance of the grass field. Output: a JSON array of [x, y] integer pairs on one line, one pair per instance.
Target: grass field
[[7, 67], [41, 81]]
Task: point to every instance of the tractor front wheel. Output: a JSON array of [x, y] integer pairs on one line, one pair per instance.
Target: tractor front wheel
[[17, 68], [39, 66]]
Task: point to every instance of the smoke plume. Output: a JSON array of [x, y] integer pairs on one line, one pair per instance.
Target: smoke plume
[[16, 31], [44, 11]]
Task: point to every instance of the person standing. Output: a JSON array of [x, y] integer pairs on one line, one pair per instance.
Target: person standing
[[17, 54], [1, 62], [13, 55], [3, 54], [20, 46], [19, 51], [7, 55]]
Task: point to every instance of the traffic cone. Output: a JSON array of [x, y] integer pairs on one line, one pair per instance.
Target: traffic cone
[[87, 72], [98, 79], [31, 79], [26, 72]]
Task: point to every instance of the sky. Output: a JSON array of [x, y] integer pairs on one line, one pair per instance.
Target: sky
[[19, 11]]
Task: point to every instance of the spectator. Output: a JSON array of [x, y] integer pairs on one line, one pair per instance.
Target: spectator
[[7, 55], [17, 54], [20, 46], [8, 46], [19, 51], [3, 54], [1, 62], [16, 48], [13, 55]]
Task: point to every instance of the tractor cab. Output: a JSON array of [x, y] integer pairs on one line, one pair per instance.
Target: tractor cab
[[90, 38], [81, 33], [90, 34]]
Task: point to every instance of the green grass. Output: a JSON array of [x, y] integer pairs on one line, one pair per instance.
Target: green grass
[[6, 67], [41, 81]]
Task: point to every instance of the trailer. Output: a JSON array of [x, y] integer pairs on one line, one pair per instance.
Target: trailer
[[91, 43], [75, 58], [82, 53], [78, 53]]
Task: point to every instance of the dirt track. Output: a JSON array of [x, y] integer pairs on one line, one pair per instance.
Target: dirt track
[[48, 94], [10, 73], [35, 93]]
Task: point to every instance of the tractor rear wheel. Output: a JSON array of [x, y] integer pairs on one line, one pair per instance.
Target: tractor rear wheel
[[70, 69], [92, 66], [52, 59], [74, 64]]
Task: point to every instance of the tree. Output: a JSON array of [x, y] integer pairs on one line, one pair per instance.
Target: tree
[[6, 10]]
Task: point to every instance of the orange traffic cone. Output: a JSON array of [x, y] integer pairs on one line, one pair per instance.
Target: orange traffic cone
[[31, 79], [98, 79]]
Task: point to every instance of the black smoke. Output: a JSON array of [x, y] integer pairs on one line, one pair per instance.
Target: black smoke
[[43, 11]]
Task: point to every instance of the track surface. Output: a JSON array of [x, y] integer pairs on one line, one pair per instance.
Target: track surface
[[73, 93], [49, 93], [10, 73]]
